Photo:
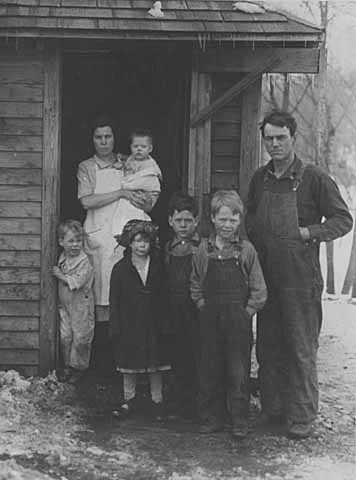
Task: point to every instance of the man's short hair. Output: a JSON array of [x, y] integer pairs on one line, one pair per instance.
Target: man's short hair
[[141, 132], [180, 201], [72, 226], [279, 118], [226, 198]]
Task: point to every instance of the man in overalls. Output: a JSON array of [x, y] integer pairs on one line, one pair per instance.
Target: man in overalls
[[287, 201]]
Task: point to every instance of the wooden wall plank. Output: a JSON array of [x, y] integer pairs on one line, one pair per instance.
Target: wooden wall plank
[[20, 109], [225, 180], [250, 135], [225, 130], [20, 225], [20, 242], [20, 143], [50, 211], [21, 93], [22, 72], [10, 308], [19, 292], [16, 176], [20, 194], [19, 357], [24, 370], [20, 159], [293, 60], [230, 146], [20, 275], [20, 126], [19, 340], [19, 324], [19, 259], [20, 209]]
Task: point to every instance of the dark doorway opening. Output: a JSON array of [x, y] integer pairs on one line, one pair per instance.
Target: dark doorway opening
[[139, 87]]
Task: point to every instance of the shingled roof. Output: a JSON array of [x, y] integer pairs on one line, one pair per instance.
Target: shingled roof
[[183, 19]]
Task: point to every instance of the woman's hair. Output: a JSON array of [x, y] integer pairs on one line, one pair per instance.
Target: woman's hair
[[180, 201], [226, 198], [103, 120], [70, 225]]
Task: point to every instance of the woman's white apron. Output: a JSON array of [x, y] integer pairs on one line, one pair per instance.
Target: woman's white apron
[[100, 243]]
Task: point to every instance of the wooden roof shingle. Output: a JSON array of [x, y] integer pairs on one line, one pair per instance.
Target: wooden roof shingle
[[183, 19]]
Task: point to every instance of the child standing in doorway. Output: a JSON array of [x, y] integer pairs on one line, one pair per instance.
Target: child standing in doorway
[[183, 220], [228, 288], [76, 300], [137, 314]]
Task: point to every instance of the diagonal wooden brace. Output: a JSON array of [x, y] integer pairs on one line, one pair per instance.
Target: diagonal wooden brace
[[234, 91]]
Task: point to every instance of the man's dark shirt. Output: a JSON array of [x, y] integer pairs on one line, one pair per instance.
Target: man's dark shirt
[[318, 196]]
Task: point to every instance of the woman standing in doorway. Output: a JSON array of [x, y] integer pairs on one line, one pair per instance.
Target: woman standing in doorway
[[99, 191]]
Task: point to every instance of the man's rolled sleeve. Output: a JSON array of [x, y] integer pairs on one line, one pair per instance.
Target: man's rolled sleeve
[[256, 282]]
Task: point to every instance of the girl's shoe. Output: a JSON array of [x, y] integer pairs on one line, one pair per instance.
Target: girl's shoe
[[125, 409], [158, 410]]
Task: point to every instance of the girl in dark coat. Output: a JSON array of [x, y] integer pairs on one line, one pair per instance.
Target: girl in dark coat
[[137, 312]]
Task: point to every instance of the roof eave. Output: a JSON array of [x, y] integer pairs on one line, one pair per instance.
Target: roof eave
[[149, 35]]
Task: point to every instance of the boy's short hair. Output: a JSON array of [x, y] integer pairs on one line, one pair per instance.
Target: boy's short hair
[[70, 225], [279, 118], [226, 198], [179, 202], [141, 132]]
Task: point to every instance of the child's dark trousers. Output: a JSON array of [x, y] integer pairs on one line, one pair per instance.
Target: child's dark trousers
[[225, 345]]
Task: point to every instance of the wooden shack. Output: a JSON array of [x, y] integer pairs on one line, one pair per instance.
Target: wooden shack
[[193, 76]]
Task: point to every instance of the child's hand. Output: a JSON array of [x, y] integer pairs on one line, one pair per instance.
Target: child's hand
[[201, 304], [56, 272]]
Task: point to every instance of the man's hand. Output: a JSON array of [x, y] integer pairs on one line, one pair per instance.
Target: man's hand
[[304, 233]]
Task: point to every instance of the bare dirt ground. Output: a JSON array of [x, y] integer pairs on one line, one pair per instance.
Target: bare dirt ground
[[53, 431]]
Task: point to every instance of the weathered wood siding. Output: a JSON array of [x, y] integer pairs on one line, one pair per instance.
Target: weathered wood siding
[[21, 140], [225, 135]]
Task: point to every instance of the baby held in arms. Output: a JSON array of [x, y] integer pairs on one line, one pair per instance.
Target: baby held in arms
[[141, 173]]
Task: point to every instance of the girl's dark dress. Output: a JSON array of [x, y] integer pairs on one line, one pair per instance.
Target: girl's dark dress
[[137, 317]]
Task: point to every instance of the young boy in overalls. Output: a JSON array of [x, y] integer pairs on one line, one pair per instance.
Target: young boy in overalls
[[183, 220], [76, 300], [228, 288]]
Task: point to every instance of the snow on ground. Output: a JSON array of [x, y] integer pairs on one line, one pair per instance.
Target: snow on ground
[[49, 430]]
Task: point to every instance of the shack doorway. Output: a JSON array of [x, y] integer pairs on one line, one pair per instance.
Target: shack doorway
[[139, 88]]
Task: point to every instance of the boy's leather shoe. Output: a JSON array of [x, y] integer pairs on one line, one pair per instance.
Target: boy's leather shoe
[[239, 432], [298, 431]]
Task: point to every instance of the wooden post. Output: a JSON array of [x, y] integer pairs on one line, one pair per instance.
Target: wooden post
[[250, 135], [50, 207], [321, 89], [199, 139]]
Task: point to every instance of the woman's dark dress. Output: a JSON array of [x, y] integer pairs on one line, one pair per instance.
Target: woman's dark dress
[[137, 316]]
